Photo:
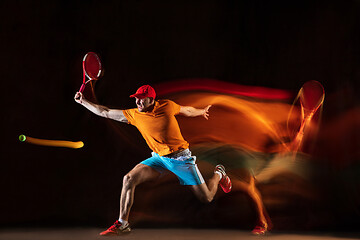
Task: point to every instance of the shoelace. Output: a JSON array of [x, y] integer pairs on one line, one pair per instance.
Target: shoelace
[[221, 170]]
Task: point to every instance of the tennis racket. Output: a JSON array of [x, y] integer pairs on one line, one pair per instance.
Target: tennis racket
[[311, 97], [91, 69]]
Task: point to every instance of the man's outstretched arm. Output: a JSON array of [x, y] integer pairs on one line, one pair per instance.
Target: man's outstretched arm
[[195, 112], [100, 110]]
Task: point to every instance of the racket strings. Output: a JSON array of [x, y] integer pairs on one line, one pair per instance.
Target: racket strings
[[92, 66]]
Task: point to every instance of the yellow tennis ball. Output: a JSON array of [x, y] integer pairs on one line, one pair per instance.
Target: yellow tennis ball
[[22, 138]]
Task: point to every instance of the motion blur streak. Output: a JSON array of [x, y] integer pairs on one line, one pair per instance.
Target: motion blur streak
[[249, 133], [311, 97], [221, 87], [251, 124], [251, 137], [255, 137]]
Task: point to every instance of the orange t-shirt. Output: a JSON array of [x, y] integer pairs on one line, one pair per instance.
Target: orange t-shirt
[[159, 127]]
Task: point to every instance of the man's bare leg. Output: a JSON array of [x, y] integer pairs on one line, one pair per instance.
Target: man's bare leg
[[139, 174], [255, 195], [206, 193], [250, 189]]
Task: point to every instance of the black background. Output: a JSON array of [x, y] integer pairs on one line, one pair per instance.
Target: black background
[[277, 44]]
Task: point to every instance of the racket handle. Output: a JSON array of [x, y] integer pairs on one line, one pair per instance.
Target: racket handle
[[82, 87]]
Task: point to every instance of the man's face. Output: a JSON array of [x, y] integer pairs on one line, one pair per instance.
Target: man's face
[[144, 104]]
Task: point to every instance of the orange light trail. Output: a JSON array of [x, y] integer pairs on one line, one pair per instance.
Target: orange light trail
[[311, 96], [243, 122], [51, 143]]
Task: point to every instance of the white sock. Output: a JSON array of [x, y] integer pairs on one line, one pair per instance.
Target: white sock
[[123, 222]]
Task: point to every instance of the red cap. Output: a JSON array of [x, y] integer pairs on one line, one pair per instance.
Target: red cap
[[144, 91]]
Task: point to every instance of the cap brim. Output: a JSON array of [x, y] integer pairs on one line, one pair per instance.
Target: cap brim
[[140, 96]]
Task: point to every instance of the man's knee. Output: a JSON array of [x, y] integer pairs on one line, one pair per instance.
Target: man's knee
[[205, 199], [203, 196]]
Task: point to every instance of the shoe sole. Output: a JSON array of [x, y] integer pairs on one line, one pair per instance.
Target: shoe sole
[[117, 233]]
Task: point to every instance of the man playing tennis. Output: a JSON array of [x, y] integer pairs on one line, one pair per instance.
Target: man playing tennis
[[155, 119]]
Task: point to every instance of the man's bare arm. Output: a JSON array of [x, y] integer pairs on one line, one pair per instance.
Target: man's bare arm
[[189, 111], [102, 111]]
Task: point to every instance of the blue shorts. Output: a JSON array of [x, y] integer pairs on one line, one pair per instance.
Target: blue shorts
[[183, 167]]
